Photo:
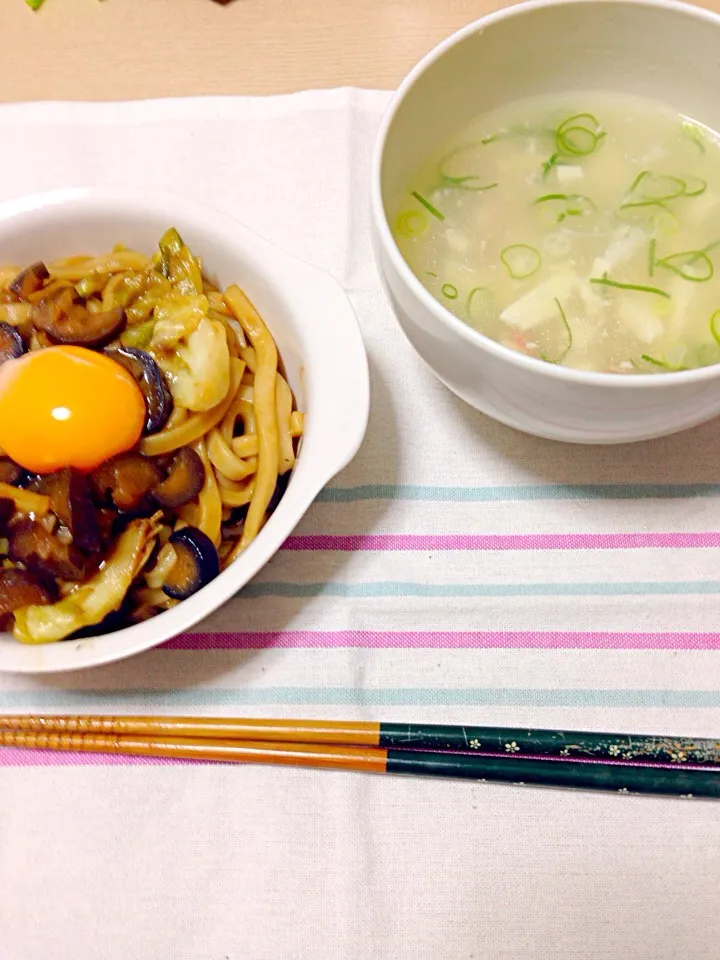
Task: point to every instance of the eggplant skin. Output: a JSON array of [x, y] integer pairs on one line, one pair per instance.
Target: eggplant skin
[[126, 481], [20, 588], [71, 502], [10, 472], [184, 481], [75, 326], [44, 553], [30, 280], [148, 376], [7, 509], [197, 563], [11, 343]]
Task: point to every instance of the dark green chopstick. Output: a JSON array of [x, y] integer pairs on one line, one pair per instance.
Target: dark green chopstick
[[573, 774], [510, 741], [521, 741]]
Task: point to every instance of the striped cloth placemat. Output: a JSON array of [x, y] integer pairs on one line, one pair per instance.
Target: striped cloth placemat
[[449, 531], [457, 571]]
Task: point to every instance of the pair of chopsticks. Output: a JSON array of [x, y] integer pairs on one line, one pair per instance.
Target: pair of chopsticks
[[670, 766]]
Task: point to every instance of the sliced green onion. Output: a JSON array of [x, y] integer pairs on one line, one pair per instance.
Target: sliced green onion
[[651, 258], [91, 284], [139, 335], [695, 133], [648, 188], [521, 260], [431, 274], [573, 204], [411, 223], [632, 204], [549, 164], [705, 251], [450, 291], [569, 331], [658, 188], [661, 363], [699, 187], [714, 320], [575, 137], [679, 263], [648, 359], [428, 206], [658, 216], [480, 306], [639, 287], [638, 179], [464, 181]]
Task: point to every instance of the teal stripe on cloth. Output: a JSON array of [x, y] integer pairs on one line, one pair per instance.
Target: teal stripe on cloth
[[397, 588], [518, 492], [38, 700]]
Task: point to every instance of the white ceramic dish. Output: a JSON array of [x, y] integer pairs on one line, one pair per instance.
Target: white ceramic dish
[[317, 335], [664, 50]]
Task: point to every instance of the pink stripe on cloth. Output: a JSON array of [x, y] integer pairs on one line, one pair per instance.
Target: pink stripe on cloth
[[502, 541], [24, 757], [460, 640]]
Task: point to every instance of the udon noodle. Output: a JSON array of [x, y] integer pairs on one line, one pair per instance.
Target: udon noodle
[[232, 407]]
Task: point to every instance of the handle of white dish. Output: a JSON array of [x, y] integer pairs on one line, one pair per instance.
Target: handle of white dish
[[337, 386]]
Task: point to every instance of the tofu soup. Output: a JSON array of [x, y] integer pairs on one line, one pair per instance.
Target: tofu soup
[[582, 231]]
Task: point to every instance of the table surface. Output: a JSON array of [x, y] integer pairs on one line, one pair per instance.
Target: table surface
[[175, 48], [123, 49]]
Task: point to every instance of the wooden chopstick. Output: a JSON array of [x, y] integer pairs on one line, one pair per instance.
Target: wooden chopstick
[[487, 740], [623, 778]]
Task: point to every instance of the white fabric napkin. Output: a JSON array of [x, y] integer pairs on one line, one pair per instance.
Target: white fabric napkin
[[456, 572]]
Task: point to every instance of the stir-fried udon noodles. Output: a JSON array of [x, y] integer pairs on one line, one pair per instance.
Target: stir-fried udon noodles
[[146, 434]]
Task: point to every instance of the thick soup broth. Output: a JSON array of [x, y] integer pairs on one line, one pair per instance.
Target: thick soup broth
[[582, 231]]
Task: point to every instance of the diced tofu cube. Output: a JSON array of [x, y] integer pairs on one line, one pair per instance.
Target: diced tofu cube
[[457, 240], [538, 305], [625, 244], [569, 173], [600, 267], [639, 318]]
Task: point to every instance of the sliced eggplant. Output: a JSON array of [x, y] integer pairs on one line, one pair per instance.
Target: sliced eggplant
[[184, 481], [19, 588], [7, 509], [149, 377], [10, 472], [30, 280], [11, 343], [281, 485], [109, 524], [43, 552], [71, 502], [197, 563], [233, 528], [126, 481], [72, 323]]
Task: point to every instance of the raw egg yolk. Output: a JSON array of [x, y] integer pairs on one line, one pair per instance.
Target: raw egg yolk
[[67, 407]]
